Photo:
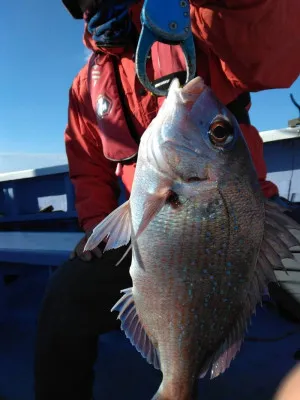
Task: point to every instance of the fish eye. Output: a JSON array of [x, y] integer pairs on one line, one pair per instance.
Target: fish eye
[[221, 132]]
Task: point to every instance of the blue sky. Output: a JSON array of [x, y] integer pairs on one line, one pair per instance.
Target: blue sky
[[41, 52]]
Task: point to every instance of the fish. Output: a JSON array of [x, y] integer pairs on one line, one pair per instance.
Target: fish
[[204, 241]]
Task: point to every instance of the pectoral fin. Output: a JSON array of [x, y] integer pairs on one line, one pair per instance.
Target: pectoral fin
[[154, 204], [116, 226]]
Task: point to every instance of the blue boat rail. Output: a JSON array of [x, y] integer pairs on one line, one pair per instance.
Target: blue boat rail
[[37, 200], [282, 155]]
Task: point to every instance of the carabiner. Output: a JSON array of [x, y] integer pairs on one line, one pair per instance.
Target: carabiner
[[171, 27]]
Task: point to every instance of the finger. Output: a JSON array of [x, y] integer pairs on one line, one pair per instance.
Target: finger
[[87, 256], [97, 252], [80, 247]]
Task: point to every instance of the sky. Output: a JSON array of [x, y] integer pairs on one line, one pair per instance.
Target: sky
[[41, 52]]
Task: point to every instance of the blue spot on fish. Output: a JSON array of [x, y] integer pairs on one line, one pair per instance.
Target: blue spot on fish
[[228, 272], [229, 264]]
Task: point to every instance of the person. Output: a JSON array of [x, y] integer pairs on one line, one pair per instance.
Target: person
[[108, 112]]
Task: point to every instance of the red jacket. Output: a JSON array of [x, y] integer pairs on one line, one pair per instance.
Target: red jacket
[[109, 109]]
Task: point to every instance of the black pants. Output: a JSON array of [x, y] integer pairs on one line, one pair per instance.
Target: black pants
[[75, 310]]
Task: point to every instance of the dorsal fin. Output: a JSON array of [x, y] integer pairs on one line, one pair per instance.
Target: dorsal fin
[[274, 247]]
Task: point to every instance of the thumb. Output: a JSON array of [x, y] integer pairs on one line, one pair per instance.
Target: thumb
[[78, 249]]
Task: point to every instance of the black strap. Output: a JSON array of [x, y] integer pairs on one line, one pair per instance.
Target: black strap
[[76, 7], [126, 110], [164, 82], [238, 108]]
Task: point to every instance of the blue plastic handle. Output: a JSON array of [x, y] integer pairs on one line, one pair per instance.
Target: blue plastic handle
[[171, 24], [168, 19]]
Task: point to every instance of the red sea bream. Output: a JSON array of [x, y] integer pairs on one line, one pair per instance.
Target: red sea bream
[[204, 241]]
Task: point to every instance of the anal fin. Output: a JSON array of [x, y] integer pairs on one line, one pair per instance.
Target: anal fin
[[134, 331], [220, 360]]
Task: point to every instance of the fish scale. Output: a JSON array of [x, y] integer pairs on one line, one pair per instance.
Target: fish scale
[[204, 242]]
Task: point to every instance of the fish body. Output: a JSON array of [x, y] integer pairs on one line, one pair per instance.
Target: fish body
[[204, 241]]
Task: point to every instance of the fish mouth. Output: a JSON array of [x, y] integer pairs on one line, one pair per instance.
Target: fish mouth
[[194, 186], [168, 157], [208, 179], [196, 179], [205, 183]]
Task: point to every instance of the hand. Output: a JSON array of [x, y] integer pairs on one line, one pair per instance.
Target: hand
[[87, 255]]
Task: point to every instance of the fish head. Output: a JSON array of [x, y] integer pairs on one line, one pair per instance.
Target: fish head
[[193, 156]]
